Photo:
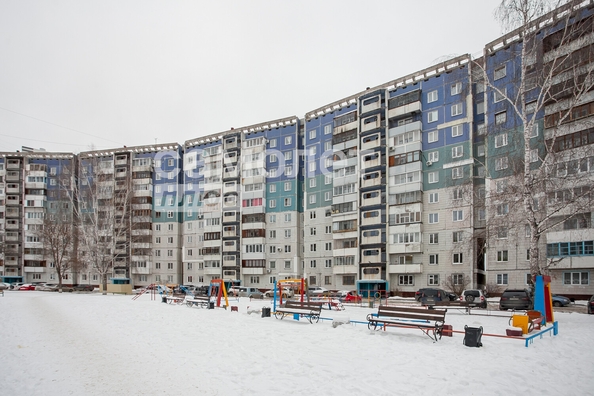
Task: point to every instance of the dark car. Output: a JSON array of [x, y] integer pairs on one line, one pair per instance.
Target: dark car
[[591, 305], [516, 299], [430, 295], [83, 288], [560, 301]]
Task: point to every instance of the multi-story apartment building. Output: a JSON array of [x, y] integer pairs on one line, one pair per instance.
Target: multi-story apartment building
[[33, 185], [416, 182]]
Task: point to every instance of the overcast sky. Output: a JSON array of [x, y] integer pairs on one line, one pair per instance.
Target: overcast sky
[[77, 74]]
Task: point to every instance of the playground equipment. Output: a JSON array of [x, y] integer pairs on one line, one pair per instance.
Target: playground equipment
[[543, 299], [187, 291], [301, 282], [217, 289]]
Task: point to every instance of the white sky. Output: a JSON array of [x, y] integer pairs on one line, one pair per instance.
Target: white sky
[[81, 74]]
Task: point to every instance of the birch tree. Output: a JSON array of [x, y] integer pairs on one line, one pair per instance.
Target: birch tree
[[550, 85]]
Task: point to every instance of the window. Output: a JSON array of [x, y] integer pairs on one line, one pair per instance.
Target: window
[[272, 203], [433, 156], [433, 280], [457, 215], [433, 197], [499, 73], [432, 137], [406, 280], [502, 209], [576, 278], [457, 258], [288, 140], [502, 279], [457, 151], [456, 109], [312, 182], [432, 96], [433, 177], [534, 155], [312, 134], [498, 96], [457, 193], [272, 143], [432, 116], [287, 248], [434, 239], [327, 129], [456, 88], [502, 255], [457, 130], [287, 201], [433, 218], [500, 118], [457, 236], [501, 140], [312, 198], [502, 232], [501, 163]]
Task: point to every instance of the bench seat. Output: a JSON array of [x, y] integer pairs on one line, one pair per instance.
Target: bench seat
[[198, 301], [429, 321], [309, 310]]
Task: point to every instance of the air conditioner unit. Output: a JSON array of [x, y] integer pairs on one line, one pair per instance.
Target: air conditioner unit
[[280, 249], [429, 163], [200, 216], [392, 148], [268, 271]]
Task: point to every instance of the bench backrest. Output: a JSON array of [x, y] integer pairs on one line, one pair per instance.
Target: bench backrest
[[412, 313], [316, 306]]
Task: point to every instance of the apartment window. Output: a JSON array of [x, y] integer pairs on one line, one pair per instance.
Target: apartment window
[[327, 196], [482, 214], [501, 163], [499, 72], [288, 140], [457, 172], [433, 218], [312, 182], [433, 156], [433, 177], [272, 143], [501, 140], [287, 201], [456, 88], [502, 255], [433, 197], [287, 217], [434, 239], [328, 246], [457, 258], [327, 129], [287, 264], [432, 96], [502, 209], [500, 118], [433, 280], [312, 134], [287, 248], [576, 278], [502, 279], [457, 215], [457, 194], [169, 266], [480, 150], [170, 215], [456, 109], [312, 199], [534, 155], [406, 280], [457, 151], [499, 95], [502, 232], [457, 130], [432, 116], [432, 137], [457, 236]]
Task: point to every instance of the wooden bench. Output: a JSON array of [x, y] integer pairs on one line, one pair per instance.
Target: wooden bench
[[198, 301], [458, 304], [175, 300], [426, 320], [310, 310]]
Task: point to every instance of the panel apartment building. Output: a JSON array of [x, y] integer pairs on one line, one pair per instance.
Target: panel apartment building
[[409, 184]]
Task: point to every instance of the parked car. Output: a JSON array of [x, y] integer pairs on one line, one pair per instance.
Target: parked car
[[27, 286], [318, 290], [474, 296], [516, 299], [352, 297], [431, 294], [591, 305], [250, 292], [4, 286], [44, 286], [233, 290], [287, 293], [560, 301], [56, 288], [16, 285], [84, 288]]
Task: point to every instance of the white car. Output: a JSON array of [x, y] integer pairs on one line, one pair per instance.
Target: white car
[[4, 286], [318, 290], [287, 293]]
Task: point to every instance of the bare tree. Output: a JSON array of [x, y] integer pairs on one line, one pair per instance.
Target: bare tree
[[457, 283], [104, 216], [552, 79]]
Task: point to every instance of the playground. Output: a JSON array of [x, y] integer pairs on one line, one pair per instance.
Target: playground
[[91, 344]]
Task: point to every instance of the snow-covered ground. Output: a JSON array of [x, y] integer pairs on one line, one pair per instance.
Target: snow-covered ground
[[89, 344]]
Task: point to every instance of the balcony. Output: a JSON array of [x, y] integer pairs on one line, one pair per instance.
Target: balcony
[[212, 271], [371, 201], [11, 263], [33, 269], [400, 248], [13, 226], [344, 269], [229, 246], [121, 161], [405, 268], [371, 125], [14, 190], [413, 126], [414, 107], [371, 106], [140, 270], [371, 220], [371, 144], [13, 176], [346, 127], [253, 270], [13, 164]]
